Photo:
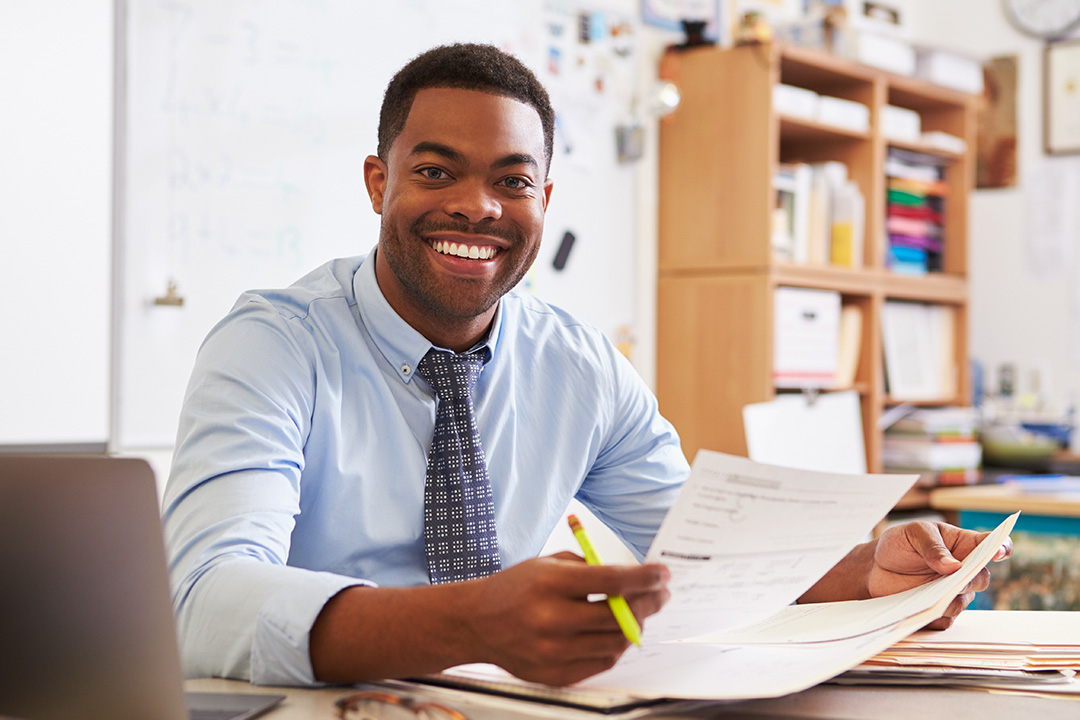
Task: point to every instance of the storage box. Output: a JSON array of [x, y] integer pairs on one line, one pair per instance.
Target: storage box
[[847, 114], [879, 51], [901, 124], [795, 101], [806, 337], [950, 69]]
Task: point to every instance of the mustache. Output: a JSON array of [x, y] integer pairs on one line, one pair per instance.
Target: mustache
[[425, 226]]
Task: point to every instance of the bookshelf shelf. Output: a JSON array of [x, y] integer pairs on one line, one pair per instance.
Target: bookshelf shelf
[[718, 270], [926, 149], [795, 129]]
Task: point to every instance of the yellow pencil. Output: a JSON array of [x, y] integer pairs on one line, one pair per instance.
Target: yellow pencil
[[619, 608]]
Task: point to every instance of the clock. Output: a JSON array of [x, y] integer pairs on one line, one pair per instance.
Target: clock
[[1045, 19]]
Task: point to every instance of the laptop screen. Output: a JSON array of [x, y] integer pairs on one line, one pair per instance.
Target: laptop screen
[[86, 624]]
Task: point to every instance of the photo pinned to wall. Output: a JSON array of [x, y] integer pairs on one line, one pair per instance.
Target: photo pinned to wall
[[1061, 98], [882, 17], [996, 153], [669, 15], [590, 67], [774, 12]]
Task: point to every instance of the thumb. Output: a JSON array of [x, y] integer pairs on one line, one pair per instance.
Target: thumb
[[931, 547]]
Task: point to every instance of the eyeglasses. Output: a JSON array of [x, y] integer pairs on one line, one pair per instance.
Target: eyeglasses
[[375, 705]]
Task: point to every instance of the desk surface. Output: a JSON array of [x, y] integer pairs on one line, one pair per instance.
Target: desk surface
[[826, 701], [1006, 498]]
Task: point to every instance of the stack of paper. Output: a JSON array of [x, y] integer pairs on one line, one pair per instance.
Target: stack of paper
[[986, 648], [919, 345], [938, 443]]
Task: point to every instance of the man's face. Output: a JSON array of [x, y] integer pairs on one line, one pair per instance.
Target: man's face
[[462, 196]]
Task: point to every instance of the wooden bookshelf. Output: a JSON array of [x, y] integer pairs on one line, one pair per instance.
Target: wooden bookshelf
[[718, 154]]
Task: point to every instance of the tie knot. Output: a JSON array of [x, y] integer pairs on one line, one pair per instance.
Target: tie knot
[[450, 374]]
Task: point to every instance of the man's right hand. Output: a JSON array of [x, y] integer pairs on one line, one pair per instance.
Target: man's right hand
[[537, 621], [534, 619]]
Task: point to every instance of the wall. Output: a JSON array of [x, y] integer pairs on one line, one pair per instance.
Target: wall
[[1023, 292]]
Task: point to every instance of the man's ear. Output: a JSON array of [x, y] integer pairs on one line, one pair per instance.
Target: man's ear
[[548, 185], [375, 180]]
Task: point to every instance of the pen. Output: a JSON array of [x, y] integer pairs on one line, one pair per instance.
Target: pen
[[617, 603]]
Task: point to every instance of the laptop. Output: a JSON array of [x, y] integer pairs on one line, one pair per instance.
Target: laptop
[[86, 624]]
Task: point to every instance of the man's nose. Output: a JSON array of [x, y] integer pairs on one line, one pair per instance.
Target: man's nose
[[474, 201]]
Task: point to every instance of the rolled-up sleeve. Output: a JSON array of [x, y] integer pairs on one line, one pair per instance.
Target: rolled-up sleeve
[[640, 468], [232, 499]]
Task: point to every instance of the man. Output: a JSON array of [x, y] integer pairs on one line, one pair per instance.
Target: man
[[301, 519]]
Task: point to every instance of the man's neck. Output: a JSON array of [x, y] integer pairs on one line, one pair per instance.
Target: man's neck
[[453, 333]]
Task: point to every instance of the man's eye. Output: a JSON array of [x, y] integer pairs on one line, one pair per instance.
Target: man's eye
[[433, 173], [516, 183]]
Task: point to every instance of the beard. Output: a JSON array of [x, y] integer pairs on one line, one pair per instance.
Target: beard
[[454, 297]]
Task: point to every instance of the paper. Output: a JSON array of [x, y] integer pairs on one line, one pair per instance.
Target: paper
[[822, 622], [1017, 649], [824, 434], [744, 540]]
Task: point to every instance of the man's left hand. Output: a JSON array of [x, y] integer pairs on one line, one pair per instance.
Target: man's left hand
[[906, 556], [915, 553]]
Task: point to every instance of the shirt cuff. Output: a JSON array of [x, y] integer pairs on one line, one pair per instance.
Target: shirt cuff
[[280, 652]]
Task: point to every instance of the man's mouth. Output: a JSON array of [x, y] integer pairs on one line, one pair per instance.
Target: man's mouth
[[462, 250]]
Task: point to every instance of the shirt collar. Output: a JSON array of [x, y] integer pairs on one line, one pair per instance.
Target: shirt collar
[[401, 344]]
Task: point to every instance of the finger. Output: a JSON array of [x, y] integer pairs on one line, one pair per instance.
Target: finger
[[942, 623], [979, 583], [927, 540], [580, 580], [645, 604], [1005, 551], [609, 642], [952, 611], [566, 673]]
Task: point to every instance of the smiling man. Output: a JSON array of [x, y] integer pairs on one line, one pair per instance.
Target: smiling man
[[369, 461]]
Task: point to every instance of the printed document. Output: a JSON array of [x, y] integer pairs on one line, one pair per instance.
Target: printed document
[[744, 540]]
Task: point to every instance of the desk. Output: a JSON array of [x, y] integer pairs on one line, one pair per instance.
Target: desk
[[1007, 499], [826, 701]]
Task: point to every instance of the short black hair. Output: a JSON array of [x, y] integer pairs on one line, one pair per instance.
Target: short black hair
[[465, 66]]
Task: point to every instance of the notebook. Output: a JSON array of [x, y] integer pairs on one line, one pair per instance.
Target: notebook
[[86, 624]]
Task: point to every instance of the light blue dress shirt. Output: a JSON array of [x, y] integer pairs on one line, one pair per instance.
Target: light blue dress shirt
[[302, 450]]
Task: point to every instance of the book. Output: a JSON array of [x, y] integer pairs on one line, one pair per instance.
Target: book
[[850, 341], [928, 454], [938, 423], [791, 185]]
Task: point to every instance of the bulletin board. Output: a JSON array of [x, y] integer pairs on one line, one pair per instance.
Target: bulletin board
[[245, 126]]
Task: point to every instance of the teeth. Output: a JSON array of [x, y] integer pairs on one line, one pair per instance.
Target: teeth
[[472, 252]]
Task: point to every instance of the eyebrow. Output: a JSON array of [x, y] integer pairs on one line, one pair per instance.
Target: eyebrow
[[453, 155]]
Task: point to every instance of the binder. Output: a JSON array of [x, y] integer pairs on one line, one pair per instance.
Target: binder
[[806, 337]]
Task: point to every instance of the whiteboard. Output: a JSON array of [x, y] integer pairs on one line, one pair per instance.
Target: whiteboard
[[245, 129], [56, 76]]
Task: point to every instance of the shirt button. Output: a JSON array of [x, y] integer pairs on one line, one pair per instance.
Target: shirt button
[[405, 369]]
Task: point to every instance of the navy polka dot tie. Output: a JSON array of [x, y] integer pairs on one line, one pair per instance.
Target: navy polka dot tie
[[459, 515]]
